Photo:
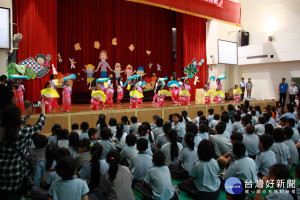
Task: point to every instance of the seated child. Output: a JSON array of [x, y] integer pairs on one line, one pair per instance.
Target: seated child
[[203, 181], [120, 138], [73, 144], [172, 149], [130, 151], [197, 119], [280, 149], [93, 135], [290, 122], [63, 136], [178, 126], [158, 130], [214, 122], [288, 131], [210, 117], [125, 122], [260, 126], [75, 128], [250, 140], [203, 132], [84, 155], [162, 138], [135, 125], [245, 122], [53, 138], [144, 133], [237, 123], [112, 125], [221, 143], [106, 141], [84, 126]]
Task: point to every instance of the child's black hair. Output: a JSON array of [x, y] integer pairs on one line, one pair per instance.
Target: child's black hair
[[40, 141], [74, 140], [65, 167], [50, 153], [283, 119], [239, 149], [125, 120], [262, 120], [246, 119], [84, 126], [131, 139], [288, 131], [166, 127], [225, 118], [55, 129], [159, 158], [206, 150], [92, 131], [184, 114], [113, 158], [63, 134], [237, 117], [105, 133], [101, 121], [85, 143], [269, 128], [120, 131], [253, 113], [159, 122], [47, 84], [192, 128], [230, 107], [172, 136], [142, 144], [266, 141], [171, 117], [216, 117], [278, 135], [189, 140], [267, 116], [133, 119], [75, 126], [220, 128], [236, 136], [61, 152], [112, 122], [96, 152], [291, 122], [200, 113], [148, 126], [203, 128], [155, 117], [210, 111], [290, 108], [249, 129]]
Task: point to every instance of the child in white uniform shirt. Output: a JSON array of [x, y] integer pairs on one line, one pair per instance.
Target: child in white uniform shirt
[[172, 148], [130, 151]]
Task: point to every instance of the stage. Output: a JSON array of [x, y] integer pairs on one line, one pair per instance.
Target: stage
[[145, 111]]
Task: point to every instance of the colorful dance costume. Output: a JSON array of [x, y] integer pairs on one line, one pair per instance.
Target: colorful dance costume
[[109, 96], [67, 98], [120, 92], [160, 101], [188, 88], [133, 102], [155, 93], [95, 104], [53, 85], [19, 97], [174, 93], [48, 104], [140, 90]]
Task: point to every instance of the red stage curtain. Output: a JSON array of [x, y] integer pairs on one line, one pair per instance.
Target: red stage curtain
[[193, 30], [146, 27], [37, 21]]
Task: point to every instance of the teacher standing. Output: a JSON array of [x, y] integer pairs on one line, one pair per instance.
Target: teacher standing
[[283, 87]]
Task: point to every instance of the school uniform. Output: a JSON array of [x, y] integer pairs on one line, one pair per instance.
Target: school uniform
[[153, 126], [242, 130], [264, 160], [166, 149], [281, 194], [73, 189], [213, 124], [84, 135], [259, 129], [282, 152], [162, 139], [197, 140], [204, 136], [196, 121], [229, 128], [140, 165], [113, 129], [160, 180], [121, 144], [272, 121], [188, 158], [157, 131], [288, 115], [93, 141], [53, 139], [126, 128], [107, 146], [184, 122], [243, 169], [134, 128], [63, 143], [148, 151], [257, 114], [209, 118], [226, 134], [128, 152], [51, 177], [251, 143], [120, 187], [221, 143], [295, 137], [293, 151], [82, 159], [254, 120], [40, 172], [180, 130], [236, 126], [86, 170], [98, 130], [72, 151]]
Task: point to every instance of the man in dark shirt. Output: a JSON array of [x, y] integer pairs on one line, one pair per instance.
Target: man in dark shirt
[[5, 92]]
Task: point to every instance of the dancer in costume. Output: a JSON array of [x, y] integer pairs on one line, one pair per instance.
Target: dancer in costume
[[67, 97], [173, 86], [208, 95], [53, 85], [237, 93], [48, 94], [218, 96], [98, 97], [219, 84], [139, 88], [155, 91], [134, 96], [120, 91], [161, 96], [109, 95], [19, 96], [184, 96]]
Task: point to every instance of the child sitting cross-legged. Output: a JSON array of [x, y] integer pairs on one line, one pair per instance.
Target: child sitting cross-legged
[[128, 152]]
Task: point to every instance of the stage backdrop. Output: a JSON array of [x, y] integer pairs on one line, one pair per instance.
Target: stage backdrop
[[55, 26]]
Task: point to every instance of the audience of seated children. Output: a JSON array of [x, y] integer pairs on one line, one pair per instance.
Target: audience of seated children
[[172, 148], [269, 129], [112, 125], [68, 187], [105, 141], [84, 126], [135, 125], [144, 133], [226, 120], [250, 140], [210, 116], [290, 122], [120, 138], [214, 122], [192, 128], [280, 149], [186, 159], [141, 163], [245, 121], [243, 168], [237, 123], [84, 155], [177, 125], [150, 136], [159, 128], [101, 123], [288, 132], [203, 180], [185, 118], [254, 119], [153, 124], [282, 122], [203, 133], [54, 137], [130, 151], [157, 183], [265, 158], [93, 135], [38, 152], [162, 139], [117, 180], [63, 138], [125, 122], [221, 143], [75, 128], [197, 119], [73, 144]]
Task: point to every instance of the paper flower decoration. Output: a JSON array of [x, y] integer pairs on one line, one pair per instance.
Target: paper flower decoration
[[96, 45], [238, 91], [150, 65], [136, 94], [99, 95], [49, 93], [77, 47], [59, 58], [166, 93], [114, 41], [148, 52], [185, 93], [131, 47], [190, 70]]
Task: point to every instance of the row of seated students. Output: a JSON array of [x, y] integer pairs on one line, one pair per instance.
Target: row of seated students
[[107, 161]]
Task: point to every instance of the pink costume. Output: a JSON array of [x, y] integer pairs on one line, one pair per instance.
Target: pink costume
[[219, 86], [19, 98], [120, 93], [160, 101], [95, 104], [174, 96], [237, 97], [133, 102], [207, 100], [48, 104], [217, 99], [53, 86], [185, 100], [67, 98], [140, 100], [109, 96]]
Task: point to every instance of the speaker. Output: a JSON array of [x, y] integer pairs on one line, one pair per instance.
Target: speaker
[[244, 38]]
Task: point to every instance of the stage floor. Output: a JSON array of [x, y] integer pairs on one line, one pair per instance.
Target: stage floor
[[81, 112]]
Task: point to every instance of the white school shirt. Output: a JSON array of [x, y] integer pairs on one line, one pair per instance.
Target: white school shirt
[[134, 128], [196, 121], [251, 143], [295, 136], [157, 131], [259, 129], [221, 143], [140, 165], [113, 129], [213, 124], [122, 143], [162, 139], [282, 152], [107, 146], [209, 118], [166, 149], [126, 129], [236, 126], [128, 152], [188, 158], [293, 150], [179, 128], [293, 90], [204, 136], [264, 160]]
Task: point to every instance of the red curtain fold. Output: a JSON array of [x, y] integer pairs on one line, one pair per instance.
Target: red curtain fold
[[37, 21]]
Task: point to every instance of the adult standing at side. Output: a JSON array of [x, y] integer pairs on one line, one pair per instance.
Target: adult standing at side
[[293, 91], [242, 84], [283, 87]]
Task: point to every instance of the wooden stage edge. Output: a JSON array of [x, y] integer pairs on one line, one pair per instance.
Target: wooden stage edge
[[145, 112]]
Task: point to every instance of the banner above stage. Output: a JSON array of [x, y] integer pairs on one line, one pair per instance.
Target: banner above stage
[[222, 10]]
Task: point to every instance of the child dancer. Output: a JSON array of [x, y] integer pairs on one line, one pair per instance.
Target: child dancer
[[237, 93], [184, 97], [218, 96], [53, 85], [160, 98], [139, 89], [95, 100], [120, 91], [173, 85], [157, 83], [47, 101], [67, 97], [133, 98], [19, 97], [109, 95], [208, 94]]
